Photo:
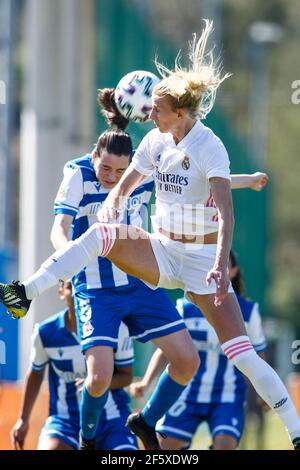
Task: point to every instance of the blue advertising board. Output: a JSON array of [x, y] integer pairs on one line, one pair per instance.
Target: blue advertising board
[[8, 327]]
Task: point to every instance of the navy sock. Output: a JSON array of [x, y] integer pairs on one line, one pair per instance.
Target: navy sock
[[90, 411], [167, 391]]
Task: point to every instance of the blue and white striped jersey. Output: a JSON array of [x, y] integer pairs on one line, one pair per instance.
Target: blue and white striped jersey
[[54, 345], [217, 380], [81, 196]]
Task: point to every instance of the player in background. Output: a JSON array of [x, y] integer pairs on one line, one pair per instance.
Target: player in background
[[55, 344], [189, 250], [217, 393]]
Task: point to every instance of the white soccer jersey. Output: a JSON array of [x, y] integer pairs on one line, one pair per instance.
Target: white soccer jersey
[[184, 203]]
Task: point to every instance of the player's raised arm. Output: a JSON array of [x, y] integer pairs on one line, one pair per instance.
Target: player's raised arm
[[117, 198], [256, 181]]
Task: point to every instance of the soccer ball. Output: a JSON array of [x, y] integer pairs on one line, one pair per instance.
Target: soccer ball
[[133, 95]]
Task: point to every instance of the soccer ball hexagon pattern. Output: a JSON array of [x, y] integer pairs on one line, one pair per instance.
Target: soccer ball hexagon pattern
[[133, 95]]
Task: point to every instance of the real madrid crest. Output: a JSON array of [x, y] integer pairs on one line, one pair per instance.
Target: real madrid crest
[[186, 163]]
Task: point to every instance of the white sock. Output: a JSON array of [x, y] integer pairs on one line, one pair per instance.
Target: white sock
[[38, 283], [98, 240], [265, 381]]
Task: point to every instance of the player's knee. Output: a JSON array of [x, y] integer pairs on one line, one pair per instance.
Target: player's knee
[[193, 364], [170, 443], [194, 361], [188, 364], [97, 383], [224, 442]]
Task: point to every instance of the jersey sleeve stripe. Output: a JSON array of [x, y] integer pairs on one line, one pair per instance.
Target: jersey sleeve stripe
[[63, 204], [62, 210], [38, 367]]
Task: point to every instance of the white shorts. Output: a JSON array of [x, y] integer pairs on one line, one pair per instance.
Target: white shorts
[[184, 265]]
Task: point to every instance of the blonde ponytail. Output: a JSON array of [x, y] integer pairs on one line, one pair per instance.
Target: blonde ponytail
[[194, 88]]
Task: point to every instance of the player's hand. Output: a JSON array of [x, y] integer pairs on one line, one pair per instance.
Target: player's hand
[[258, 181], [137, 389], [221, 278], [108, 215], [18, 434], [264, 406], [79, 384]]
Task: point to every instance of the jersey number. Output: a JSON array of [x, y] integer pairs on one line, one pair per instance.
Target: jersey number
[[177, 409]]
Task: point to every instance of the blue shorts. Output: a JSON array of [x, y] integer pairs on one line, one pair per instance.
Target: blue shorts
[[112, 434], [148, 314], [183, 419], [62, 428]]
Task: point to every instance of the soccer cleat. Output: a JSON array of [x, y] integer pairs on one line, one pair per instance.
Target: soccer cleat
[[86, 444], [138, 426], [296, 443], [13, 296]]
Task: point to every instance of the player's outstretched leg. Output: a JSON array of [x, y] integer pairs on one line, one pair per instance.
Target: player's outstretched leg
[[128, 247], [227, 322], [63, 264]]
